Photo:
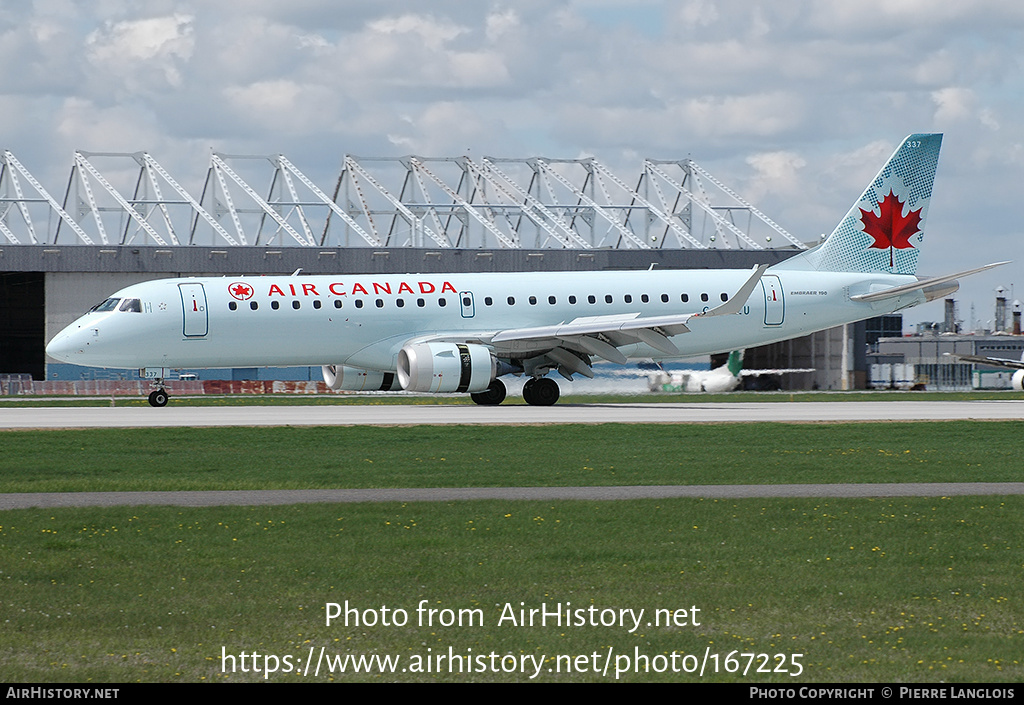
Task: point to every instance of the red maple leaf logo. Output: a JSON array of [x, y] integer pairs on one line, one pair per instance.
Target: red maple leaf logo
[[240, 291], [891, 228]]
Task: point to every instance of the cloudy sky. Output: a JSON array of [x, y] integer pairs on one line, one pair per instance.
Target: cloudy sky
[[794, 104]]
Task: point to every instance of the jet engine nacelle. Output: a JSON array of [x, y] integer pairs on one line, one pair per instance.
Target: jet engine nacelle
[[354, 379], [445, 367], [1017, 381]]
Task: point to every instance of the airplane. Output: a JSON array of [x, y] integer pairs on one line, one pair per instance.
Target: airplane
[[725, 378], [1016, 380], [462, 332]]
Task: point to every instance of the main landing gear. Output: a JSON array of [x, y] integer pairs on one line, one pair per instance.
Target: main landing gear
[[542, 391], [492, 396], [536, 392]]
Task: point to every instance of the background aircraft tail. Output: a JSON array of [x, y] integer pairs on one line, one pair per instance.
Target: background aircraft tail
[[735, 363], [885, 227]]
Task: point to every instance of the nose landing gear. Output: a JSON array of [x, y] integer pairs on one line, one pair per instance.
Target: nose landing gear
[[158, 397]]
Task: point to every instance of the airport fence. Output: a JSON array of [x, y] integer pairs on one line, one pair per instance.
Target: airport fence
[[24, 385]]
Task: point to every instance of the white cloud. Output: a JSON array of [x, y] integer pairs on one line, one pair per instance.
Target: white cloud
[[433, 33], [285, 107], [954, 104], [775, 172], [133, 49], [697, 13], [501, 23]]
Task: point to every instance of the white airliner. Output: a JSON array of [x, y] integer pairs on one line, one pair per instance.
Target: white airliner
[[462, 332], [1016, 380], [725, 378]]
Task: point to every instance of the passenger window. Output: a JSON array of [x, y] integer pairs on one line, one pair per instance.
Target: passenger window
[[607, 298], [572, 299], [253, 305], [380, 303], [551, 300], [316, 303], [488, 301], [684, 297], [232, 305], [296, 305], [592, 299], [400, 303], [359, 303], [441, 302], [703, 297], [645, 298], [533, 300], [725, 297], [275, 305], [511, 301], [628, 298], [421, 303], [337, 303], [466, 301]]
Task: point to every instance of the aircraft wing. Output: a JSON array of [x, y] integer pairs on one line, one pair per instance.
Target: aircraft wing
[[781, 371], [993, 361], [601, 335]]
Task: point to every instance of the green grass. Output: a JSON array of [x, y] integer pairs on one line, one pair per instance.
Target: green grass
[[884, 590], [893, 590], [487, 456]]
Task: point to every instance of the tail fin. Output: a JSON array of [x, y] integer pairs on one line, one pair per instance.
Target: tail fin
[[735, 363], [885, 227]]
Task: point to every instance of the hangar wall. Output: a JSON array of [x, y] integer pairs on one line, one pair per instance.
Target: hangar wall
[[21, 323], [822, 352]]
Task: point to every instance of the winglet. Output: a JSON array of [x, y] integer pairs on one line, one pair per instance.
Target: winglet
[[738, 300]]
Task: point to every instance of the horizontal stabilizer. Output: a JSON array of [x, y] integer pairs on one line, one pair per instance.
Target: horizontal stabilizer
[[919, 285]]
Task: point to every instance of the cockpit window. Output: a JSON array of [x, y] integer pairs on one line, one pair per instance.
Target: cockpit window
[[131, 305], [108, 305]]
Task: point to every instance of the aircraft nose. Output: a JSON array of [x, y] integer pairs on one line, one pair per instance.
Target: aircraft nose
[[64, 346]]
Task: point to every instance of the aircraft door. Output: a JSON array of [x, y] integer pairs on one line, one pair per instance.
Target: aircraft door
[[774, 302], [466, 301], [196, 321]]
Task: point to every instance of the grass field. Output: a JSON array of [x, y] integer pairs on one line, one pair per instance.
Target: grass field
[[489, 456], [878, 590]]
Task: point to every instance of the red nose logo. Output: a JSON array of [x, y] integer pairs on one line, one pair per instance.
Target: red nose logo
[[240, 291]]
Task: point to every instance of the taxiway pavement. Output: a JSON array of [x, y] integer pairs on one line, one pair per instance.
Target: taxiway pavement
[[512, 414], [216, 498]]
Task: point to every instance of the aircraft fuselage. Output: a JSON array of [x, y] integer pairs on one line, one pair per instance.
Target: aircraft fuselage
[[363, 321]]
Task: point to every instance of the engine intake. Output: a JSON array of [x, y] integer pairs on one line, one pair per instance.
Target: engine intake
[[446, 367]]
